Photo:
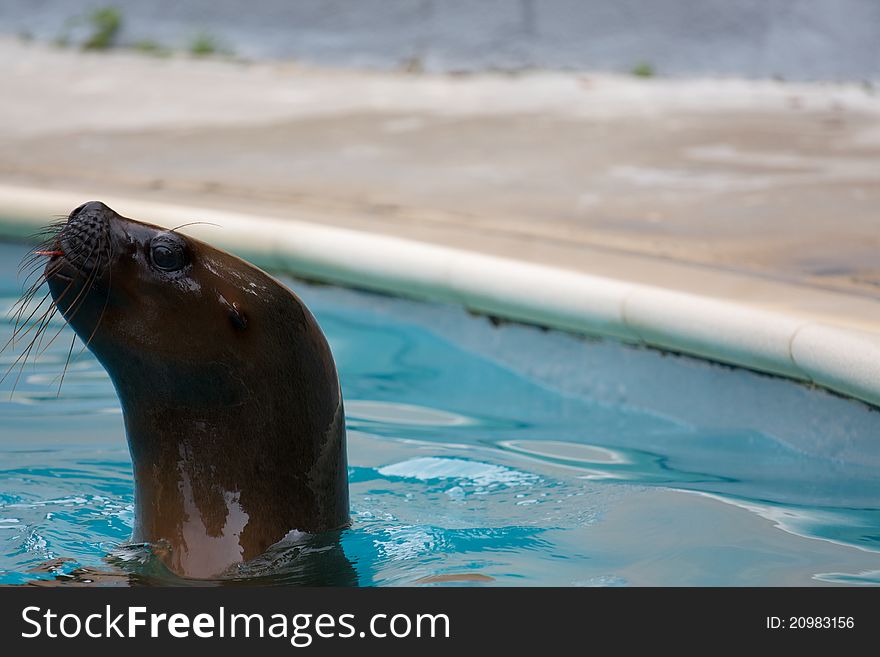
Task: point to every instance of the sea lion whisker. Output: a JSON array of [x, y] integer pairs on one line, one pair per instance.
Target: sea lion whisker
[[97, 324], [106, 296], [195, 223], [75, 310], [40, 348], [66, 364], [30, 325], [17, 329], [50, 230], [38, 336], [20, 307], [26, 323], [76, 304], [23, 357], [46, 236], [34, 260], [35, 275], [44, 240], [32, 287], [23, 327], [40, 326], [27, 296], [29, 262], [75, 254]]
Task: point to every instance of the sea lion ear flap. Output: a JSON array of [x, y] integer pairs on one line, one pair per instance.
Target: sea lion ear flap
[[237, 317]]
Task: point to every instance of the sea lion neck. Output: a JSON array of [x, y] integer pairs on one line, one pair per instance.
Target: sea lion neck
[[221, 476], [222, 489]]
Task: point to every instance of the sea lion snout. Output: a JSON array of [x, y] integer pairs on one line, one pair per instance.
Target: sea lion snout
[[84, 239]]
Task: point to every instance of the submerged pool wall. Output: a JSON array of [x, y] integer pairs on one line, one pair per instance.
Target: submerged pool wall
[[775, 341]]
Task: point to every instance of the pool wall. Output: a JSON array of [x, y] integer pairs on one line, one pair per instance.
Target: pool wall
[[776, 341]]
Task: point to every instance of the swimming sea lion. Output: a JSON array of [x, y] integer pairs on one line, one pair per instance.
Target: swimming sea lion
[[229, 392]]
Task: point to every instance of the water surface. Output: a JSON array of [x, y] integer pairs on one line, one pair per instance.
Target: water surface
[[488, 455]]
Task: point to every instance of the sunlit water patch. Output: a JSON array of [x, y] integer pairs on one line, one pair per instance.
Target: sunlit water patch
[[481, 455]]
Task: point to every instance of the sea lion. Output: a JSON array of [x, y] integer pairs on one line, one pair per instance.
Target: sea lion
[[230, 396]]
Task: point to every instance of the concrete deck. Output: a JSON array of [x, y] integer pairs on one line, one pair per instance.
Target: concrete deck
[[764, 194]]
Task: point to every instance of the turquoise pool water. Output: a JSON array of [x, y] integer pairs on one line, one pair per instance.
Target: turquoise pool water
[[491, 455]]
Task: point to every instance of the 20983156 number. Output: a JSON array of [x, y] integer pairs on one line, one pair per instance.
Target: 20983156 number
[[821, 622]]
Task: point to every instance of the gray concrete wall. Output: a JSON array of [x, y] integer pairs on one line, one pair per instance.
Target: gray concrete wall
[[794, 39]]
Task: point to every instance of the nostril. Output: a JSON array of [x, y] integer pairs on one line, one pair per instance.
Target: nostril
[[76, 211], [89, 207]]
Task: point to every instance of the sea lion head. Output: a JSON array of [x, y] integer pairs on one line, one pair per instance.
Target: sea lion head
[[155, 305], [232, 405]]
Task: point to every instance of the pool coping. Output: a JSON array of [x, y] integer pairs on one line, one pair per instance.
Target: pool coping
[[839, 358]]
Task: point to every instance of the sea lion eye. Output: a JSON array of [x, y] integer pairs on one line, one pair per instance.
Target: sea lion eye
[[167, 256]]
